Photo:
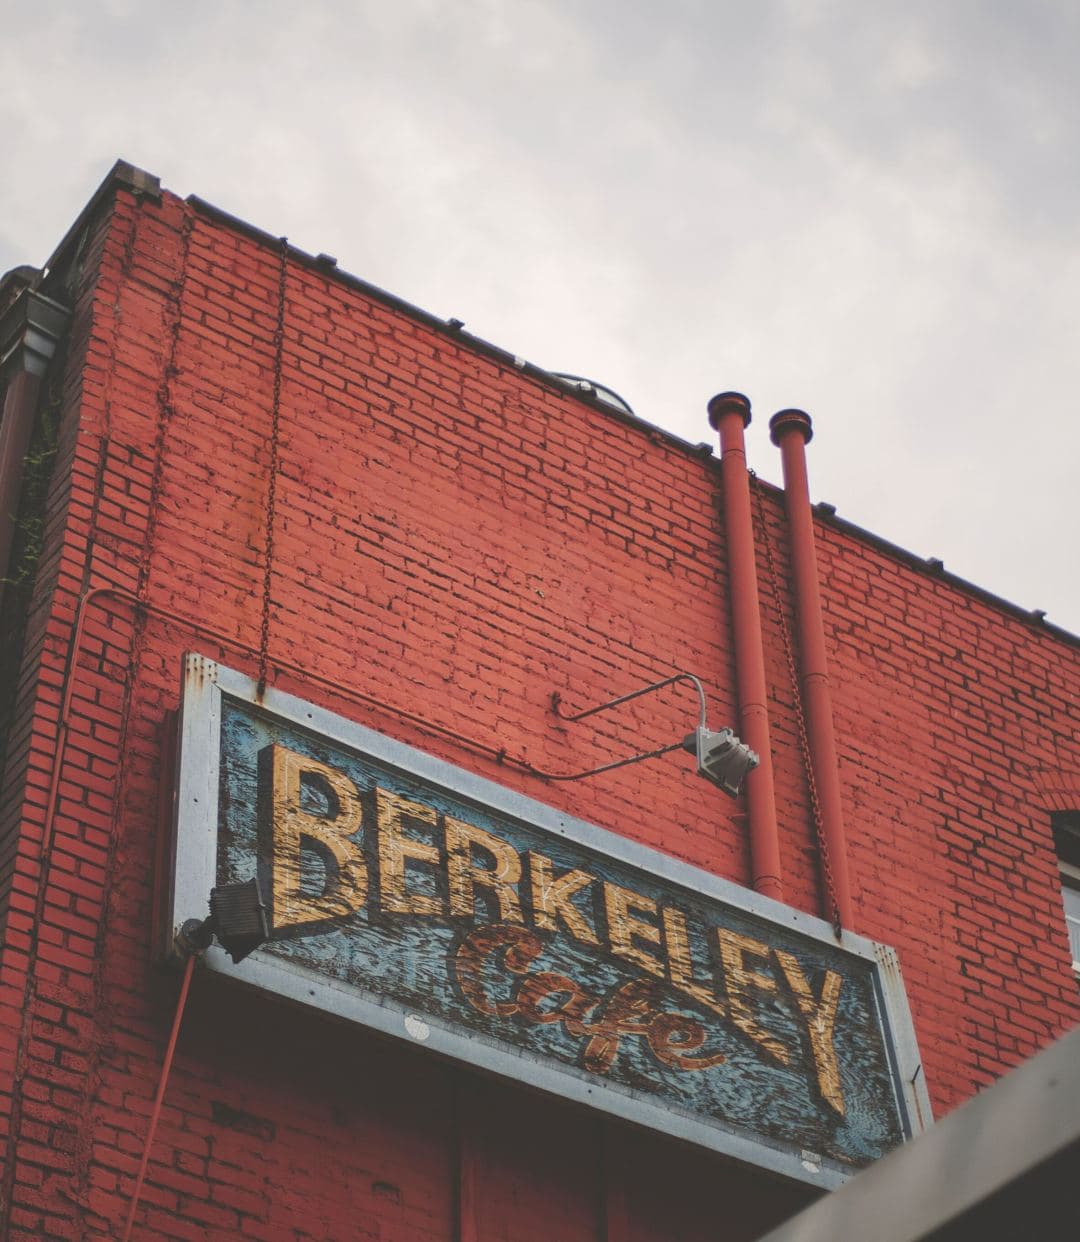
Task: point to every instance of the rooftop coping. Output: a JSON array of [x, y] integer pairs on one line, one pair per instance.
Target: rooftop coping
[[124, 175]]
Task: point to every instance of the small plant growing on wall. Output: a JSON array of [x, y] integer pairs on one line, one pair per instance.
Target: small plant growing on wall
[[27, 546]]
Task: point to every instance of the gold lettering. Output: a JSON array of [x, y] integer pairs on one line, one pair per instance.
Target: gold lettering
[[551, 896], [396, 847], [329, 835], [820, 1018], [464, 874], [739, 979], [623, 927], [677, 947]]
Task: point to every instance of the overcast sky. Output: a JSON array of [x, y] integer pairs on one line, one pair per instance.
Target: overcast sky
[[867, 209]]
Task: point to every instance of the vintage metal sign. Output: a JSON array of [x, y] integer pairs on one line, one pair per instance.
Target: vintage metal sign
[[428, 903]]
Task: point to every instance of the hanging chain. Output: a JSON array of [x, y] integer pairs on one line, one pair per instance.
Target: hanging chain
[[9, 1157], [166, 409], [271, 489], [800, 713], [173, 315]]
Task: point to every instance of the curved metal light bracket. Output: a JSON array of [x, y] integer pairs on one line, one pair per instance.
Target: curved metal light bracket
[[721, 757], [606, 767], [556, 698]]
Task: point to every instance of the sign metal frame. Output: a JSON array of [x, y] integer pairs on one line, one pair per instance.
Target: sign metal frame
[[194, 873]]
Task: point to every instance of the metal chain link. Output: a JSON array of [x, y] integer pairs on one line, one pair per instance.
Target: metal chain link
[[166, 411], [800, 713], [29, 1015], [132, 671], [271, 488]]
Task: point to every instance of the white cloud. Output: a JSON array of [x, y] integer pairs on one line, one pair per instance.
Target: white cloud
[[872, 211]]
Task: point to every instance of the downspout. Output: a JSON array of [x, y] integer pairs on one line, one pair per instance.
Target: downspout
[[729, 414], [791, 431], [30, 329]]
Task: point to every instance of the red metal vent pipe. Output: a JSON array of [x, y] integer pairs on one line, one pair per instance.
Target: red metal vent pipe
[[729, 413], [791, 431]]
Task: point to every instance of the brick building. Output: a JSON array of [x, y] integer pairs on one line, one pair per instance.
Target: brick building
[[213, 443]]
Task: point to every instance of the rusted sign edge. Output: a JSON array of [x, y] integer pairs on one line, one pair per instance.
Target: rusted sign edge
[[204, 682]]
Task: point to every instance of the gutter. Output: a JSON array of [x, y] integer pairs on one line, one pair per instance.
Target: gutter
[[30, 331]]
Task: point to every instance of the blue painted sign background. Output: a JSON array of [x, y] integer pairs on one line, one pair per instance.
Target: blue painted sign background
[[711, 1011]]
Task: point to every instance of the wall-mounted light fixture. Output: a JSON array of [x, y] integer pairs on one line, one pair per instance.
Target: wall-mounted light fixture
[[721, 757], [237, 918]]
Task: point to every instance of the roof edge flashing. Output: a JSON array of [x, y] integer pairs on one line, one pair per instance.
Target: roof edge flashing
[[122, 175], [453, 330]]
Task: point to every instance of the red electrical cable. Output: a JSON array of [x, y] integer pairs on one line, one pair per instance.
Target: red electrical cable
[[166, 1066]]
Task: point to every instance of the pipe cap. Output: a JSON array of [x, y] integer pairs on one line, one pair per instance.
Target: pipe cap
[[784, 421], [727, 403]]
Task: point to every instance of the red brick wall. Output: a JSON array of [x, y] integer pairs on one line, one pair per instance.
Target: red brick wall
[[454, 539]]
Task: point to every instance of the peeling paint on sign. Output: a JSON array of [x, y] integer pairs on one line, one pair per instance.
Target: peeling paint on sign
[[482, 916]]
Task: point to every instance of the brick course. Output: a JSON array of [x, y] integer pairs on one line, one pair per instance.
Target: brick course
[[454, 538]]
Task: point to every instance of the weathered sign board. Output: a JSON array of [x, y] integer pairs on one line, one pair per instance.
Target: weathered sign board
[[423, 901]]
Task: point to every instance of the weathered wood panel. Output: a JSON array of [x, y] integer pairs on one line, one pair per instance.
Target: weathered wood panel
[[448, 907]]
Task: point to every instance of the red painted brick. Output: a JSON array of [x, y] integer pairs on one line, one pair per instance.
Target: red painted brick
[[456, 539]]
